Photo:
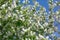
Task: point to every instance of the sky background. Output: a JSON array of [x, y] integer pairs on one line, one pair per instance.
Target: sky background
[[45, 4]]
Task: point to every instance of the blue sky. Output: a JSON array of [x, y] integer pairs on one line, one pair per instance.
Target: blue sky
[[45, 4]]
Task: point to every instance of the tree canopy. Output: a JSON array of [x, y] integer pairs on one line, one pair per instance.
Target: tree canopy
[[21, 21]]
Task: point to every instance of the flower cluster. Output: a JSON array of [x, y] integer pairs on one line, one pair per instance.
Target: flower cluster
[[25, 22]]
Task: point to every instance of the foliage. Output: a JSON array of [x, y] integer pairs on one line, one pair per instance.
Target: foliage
[[24, 22]]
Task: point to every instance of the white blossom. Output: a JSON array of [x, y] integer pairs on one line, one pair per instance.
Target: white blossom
[[45, 24]]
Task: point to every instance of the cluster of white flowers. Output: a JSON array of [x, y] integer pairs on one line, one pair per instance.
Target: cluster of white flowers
[[57, 16], [26, 1], [26, 22]]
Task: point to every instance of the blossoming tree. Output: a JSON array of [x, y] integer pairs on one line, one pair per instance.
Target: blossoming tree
[[21, 21]]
